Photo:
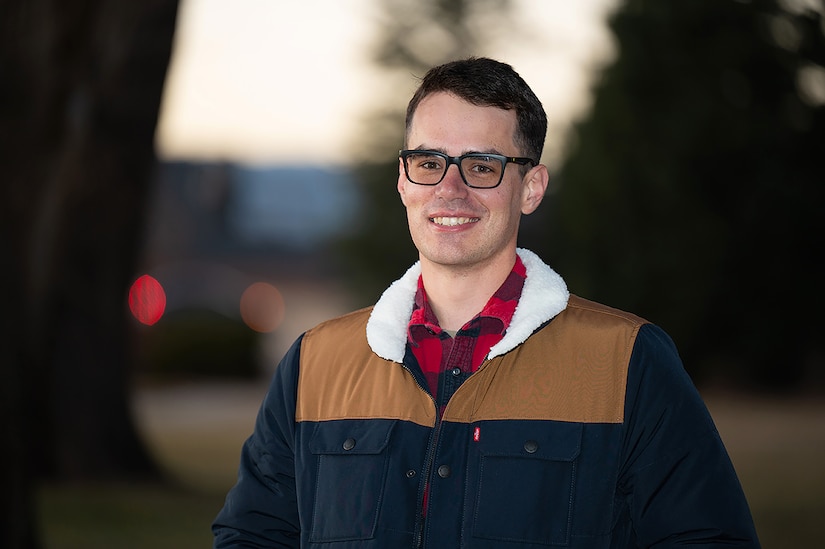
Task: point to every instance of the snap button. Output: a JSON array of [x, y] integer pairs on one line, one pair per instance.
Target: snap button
[[349, 444], [456, 372], [410, 473], [444, 471], [531, 446]]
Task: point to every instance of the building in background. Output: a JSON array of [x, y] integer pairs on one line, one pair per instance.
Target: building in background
[[215, 230]]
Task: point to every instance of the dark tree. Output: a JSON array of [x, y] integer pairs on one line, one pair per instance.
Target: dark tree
[[693, 194], [79, 101]]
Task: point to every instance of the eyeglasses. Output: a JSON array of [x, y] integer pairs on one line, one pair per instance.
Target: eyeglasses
[[478, 170]]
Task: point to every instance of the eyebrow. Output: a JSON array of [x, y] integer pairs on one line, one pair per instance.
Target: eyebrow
[[444, 151]]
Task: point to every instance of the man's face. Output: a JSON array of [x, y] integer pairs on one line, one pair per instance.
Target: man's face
[[452, 224]]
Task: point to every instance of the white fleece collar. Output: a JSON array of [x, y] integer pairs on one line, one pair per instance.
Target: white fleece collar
[[544, 296]]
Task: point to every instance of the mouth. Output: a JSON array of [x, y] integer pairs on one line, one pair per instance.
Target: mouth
[[453, 221]]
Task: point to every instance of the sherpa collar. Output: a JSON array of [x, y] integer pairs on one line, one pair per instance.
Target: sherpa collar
[[544, 296]]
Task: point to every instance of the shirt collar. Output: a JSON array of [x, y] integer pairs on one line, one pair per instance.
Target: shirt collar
[[500, 306], [544, 296]]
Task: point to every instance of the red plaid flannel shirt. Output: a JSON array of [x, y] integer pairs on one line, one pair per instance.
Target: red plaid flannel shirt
[[447, 361]]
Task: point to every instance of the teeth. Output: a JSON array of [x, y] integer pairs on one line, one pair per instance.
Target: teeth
[[453, 221]]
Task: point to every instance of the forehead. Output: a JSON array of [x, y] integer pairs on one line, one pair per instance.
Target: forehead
[[443, 120]]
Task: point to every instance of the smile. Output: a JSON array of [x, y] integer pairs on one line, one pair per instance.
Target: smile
[[453, 221]]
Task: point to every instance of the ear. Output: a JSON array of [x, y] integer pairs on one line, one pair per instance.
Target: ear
[[402, 182], [535, 185]]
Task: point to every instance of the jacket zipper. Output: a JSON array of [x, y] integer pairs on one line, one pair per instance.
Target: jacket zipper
[[418, 540]]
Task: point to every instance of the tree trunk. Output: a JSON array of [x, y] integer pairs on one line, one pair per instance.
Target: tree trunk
[[79, 101]]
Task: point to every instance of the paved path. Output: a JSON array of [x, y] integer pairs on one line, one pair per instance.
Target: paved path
[[196, 430]]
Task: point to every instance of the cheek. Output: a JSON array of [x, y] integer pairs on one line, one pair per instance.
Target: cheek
[[505, 204], [413, 196]]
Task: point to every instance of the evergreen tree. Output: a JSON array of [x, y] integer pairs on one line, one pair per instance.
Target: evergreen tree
[[693, 194]]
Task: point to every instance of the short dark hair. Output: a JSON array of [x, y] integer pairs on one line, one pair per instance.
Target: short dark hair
[[488, 83]]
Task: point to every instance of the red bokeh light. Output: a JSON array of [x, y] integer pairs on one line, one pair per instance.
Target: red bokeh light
[[147, 300]]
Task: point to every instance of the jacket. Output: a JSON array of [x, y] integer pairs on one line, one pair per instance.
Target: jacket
[[581, 429]]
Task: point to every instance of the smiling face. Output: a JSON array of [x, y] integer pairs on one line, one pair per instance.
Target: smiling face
[[451, 224]]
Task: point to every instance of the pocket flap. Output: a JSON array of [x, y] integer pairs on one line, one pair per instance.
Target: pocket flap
[[550, 440], [349, 437]]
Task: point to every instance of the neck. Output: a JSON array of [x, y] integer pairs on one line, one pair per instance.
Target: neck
[[457, 294]]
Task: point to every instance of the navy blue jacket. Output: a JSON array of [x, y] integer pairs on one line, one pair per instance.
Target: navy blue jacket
[[581, 429]]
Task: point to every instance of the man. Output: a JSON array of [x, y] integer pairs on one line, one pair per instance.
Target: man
[[478, 404]]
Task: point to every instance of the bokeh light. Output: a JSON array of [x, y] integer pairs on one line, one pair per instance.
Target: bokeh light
[[147, 300], [262, 307]]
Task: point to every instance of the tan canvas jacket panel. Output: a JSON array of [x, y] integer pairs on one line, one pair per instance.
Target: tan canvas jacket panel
[[573, 369]]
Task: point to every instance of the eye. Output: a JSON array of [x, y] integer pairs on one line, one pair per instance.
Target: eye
[[483, 165], [426, 161]]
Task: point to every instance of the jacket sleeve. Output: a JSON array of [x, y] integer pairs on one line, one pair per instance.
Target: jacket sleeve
[[676, 476], [261, 509]]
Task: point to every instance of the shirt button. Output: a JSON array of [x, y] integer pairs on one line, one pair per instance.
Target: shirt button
[[456, 372], [531, 446], [444, 471], [410, 473], [349, 444]]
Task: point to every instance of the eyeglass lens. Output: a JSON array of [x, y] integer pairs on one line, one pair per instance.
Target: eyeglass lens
[[478, 170]]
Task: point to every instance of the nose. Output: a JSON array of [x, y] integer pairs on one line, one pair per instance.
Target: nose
[[452, 185]]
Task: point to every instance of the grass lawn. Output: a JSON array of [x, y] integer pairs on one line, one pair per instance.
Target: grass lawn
[[778, 449], [126, 516], [777, 446]]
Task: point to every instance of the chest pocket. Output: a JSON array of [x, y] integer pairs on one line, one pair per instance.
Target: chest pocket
[[351, 465], [526, 482]]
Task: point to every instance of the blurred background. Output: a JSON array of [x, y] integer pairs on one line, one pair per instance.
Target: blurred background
[[189, 185]]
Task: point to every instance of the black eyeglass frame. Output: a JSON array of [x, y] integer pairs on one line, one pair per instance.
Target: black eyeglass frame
[[520, 160]]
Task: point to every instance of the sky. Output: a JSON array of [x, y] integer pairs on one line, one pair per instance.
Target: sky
[[287, 82]]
